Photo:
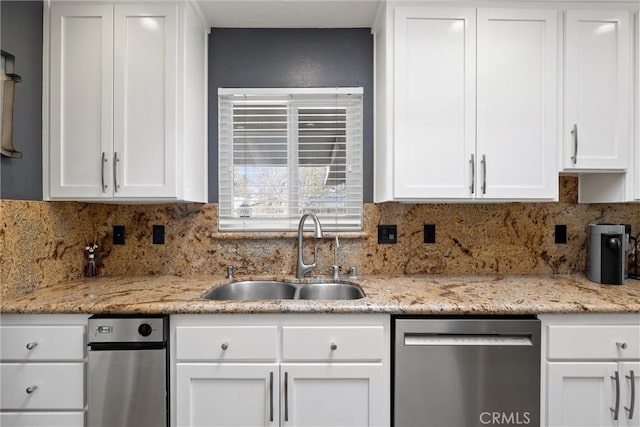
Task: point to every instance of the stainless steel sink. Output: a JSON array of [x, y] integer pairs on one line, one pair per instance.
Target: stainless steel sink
[[274, 289], [252, 290], [330, 291]]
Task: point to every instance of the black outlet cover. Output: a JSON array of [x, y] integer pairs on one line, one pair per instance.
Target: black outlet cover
[[118, 234], [429, 233], [158, 234], [387, 234], [561, 234]]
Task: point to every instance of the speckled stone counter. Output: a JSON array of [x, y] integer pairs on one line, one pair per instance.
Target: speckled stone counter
[[384, 294]]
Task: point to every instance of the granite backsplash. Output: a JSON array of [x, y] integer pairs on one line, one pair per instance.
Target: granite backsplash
[[43, 242]]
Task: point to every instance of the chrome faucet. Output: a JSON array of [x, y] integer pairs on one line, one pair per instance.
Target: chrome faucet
[[302, 268]]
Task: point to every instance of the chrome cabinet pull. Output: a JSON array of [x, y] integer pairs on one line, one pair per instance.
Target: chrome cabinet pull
[[32, 345], [632, 404], [617, 408], [31, 389], [473, 173], [574, 132], [224, 346], [621, 345], [484, 174], [271, 396], [334, 346], [102, 163], [286, 396], [116, 187]]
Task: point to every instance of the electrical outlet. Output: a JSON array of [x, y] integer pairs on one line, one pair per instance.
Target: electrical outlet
[[387, 234], [429, 233], [561, 234], [118, 234], [158, 234]]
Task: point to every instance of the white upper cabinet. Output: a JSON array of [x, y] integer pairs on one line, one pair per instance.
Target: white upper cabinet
[[616, 185], [434, 104], [517, 104], [467, 124], [127, 103], [81, 101], [146, 113], [636, 171], [597, 90]]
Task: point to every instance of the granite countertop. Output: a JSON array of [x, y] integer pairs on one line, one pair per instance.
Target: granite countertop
[[384, 294]]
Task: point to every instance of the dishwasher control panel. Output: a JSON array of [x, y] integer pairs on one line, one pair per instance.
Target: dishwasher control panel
[[109, 329]]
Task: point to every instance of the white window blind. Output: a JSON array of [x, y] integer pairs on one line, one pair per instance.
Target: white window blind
[[283, 152]]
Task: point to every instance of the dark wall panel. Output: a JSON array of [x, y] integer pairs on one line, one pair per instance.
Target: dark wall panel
[[21, 35], [290, 58]]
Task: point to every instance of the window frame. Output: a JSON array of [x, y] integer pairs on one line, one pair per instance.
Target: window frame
[[354, 201]]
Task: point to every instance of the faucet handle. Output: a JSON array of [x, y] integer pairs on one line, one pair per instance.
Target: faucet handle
[[335, 272], [230, 270]]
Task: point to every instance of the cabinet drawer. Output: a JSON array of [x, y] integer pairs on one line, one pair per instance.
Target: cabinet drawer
[[332, 343], [42, 419], [46, 343], [594, 342], [59, 385], [226, 343]]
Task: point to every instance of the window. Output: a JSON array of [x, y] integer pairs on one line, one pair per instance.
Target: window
[[283, 152]]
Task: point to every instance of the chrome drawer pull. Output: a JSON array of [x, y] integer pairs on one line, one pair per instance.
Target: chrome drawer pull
[[102, 163], [32, 345], [622, 345], [271, 396], [617, 408], [31, 389], [116, 160], [574, 132], [483, 162], [630, 410], [334, 346], [473, 174], [224, 346], [286, 397]]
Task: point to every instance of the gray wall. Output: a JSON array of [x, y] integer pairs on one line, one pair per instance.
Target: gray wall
[[21, 35], [290, 58]]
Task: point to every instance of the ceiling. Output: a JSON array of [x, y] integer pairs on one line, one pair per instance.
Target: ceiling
[[289, 13]]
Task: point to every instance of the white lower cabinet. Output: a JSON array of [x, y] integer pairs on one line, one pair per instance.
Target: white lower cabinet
[[334, 395], [592, 370], [281, 370], [42, 366], [226, 394]]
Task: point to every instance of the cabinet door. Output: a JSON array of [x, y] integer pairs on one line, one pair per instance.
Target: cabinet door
[[145, 100], [581, 394], [338, 395], [434, 119], [629, 394], [637, 111], [81, 101], [225, 395], [597, 85], [517, 104]]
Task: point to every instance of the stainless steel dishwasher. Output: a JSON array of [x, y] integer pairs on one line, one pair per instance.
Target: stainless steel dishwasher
[[466, 372], [127, 378]]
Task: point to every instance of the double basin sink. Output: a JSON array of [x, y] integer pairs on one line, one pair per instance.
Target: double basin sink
[[274, 289]]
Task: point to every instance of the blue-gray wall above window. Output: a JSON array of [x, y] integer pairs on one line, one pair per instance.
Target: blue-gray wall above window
[[21, 35], [266, 57]]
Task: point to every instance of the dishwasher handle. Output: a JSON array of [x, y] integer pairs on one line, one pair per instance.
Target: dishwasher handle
[[115, 346], [467, 340]]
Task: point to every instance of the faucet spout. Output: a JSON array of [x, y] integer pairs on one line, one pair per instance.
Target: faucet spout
[[301, 267]]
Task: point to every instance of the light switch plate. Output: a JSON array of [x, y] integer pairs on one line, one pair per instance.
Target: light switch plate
[[387, 234]]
